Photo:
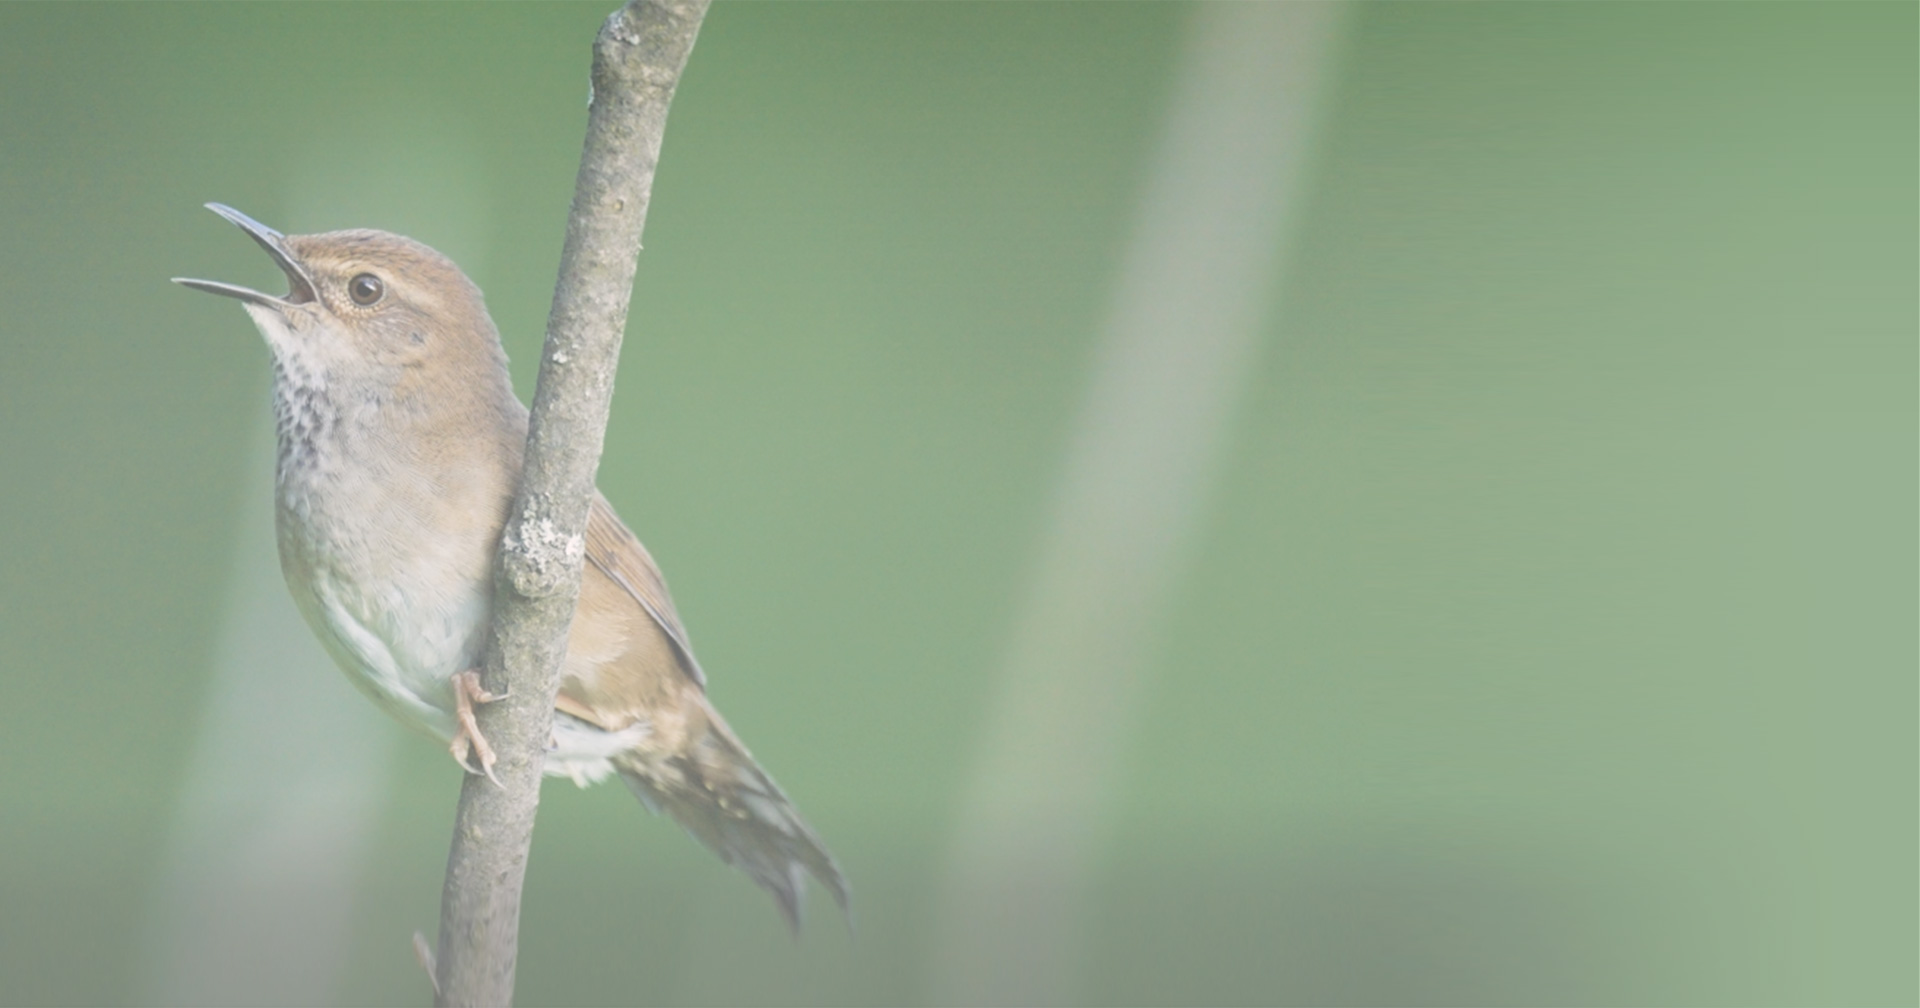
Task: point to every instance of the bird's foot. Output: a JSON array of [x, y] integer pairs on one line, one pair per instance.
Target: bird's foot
[[467, 691]]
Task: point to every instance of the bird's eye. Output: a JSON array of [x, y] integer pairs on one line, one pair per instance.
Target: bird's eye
[[365, 289]]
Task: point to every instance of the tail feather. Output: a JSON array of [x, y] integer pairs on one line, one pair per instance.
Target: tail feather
[[718, 793]]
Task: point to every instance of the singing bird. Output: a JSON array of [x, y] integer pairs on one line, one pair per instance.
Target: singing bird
[[400, 444]]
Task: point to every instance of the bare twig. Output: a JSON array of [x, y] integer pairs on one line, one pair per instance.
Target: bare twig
[[637, 60]]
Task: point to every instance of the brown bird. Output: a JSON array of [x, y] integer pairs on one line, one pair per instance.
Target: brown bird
[[400, 443]]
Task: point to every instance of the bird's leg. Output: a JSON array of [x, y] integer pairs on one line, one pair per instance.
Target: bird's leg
[[467, 691]]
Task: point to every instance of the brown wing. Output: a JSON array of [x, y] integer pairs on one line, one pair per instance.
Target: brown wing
[[628, 660], [618, 554]]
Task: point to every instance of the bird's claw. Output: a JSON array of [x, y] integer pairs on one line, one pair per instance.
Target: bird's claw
[[467, 691]]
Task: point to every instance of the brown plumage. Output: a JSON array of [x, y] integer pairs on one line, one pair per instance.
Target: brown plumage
[[695, 769], [400, 444]]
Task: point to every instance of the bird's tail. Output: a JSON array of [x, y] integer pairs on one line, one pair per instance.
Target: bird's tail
[[714, 789]]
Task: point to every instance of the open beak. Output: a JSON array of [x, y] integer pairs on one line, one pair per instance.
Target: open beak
[[300, 285]]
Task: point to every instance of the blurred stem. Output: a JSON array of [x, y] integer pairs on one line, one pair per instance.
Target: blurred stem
[[637, 60]]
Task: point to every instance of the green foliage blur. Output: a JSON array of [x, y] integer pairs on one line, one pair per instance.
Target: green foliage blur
[[1551, 639]]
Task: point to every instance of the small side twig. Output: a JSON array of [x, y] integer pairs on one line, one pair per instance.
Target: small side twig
[[637, 60]]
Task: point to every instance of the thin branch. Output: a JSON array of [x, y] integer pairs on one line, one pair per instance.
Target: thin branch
[[637, 60]]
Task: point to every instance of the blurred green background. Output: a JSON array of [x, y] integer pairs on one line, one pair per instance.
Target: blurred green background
[[1548, 638]]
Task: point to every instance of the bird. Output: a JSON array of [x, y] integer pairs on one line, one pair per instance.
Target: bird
[[399, 447]]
